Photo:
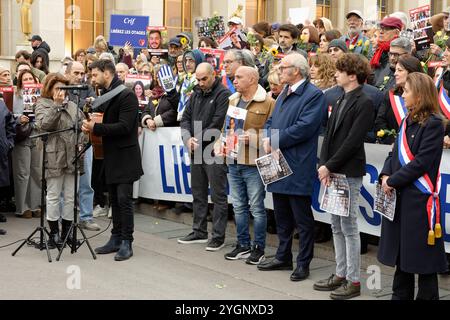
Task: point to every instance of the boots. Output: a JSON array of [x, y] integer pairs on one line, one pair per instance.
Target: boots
[[113, 245], [54, 241], [125, 252], [65, 227]]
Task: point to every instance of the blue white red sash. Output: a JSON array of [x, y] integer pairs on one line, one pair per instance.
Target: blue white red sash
[[398, 106], [228, 84], [425, 185], [444, 102]]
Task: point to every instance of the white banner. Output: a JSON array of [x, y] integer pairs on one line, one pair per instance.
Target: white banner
[[167, 177]]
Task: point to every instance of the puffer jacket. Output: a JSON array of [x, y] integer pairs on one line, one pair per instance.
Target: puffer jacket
[[60, 149]]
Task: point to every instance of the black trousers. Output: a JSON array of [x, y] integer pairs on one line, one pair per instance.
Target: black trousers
[[98, 182], [403, 286], [121, 202], [294, 212]]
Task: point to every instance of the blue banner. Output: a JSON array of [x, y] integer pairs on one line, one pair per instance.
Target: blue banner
[[128, 28]]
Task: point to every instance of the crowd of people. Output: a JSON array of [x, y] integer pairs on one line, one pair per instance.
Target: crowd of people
[[289, 84]]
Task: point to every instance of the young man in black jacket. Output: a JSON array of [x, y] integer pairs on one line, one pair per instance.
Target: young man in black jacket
[[201, 125], [122, 156], [343, 153]]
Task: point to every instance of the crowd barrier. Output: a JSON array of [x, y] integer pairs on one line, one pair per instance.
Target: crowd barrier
[[167, 177]]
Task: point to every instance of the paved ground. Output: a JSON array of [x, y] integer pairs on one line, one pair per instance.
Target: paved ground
[[160, 269]]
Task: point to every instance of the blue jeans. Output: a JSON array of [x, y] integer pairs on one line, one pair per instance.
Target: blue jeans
[[247, 194], [347, 243], [85, 191]]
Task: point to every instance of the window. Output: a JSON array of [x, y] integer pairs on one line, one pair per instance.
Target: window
[[255, 11], [84, 21], [177, 16], [382, 8], [323, 8]]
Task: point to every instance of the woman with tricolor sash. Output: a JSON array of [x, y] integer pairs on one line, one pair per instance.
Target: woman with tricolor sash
[[393, 110], [443, 85], [413, 241]]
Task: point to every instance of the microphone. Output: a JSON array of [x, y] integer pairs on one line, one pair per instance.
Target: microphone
[[75, 87]]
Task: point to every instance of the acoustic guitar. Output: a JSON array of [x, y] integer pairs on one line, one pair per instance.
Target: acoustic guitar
[[96, 141]]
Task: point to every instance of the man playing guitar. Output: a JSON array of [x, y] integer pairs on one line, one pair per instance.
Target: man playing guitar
[[122, 159]]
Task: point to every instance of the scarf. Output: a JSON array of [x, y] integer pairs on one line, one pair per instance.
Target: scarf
[[383, 46]]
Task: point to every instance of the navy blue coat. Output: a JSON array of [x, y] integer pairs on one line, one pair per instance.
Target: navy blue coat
[[403, 242], [295, 123]]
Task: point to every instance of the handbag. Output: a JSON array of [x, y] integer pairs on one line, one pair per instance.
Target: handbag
[[23, 131]]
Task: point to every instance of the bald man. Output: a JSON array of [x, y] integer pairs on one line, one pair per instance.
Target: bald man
[[75, 73], [254, 106], [201, 124]]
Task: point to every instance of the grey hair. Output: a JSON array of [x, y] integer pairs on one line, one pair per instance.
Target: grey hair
[[245, 57], [123, 65], [403, 43], [107, 56], [297, 60]]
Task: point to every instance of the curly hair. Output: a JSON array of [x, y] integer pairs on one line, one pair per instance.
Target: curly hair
[[327, 70], [354, 64]]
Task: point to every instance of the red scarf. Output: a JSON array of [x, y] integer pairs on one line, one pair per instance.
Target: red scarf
[[383, 46]]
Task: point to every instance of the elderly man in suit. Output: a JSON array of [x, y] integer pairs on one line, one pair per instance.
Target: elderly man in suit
[[294, 129]]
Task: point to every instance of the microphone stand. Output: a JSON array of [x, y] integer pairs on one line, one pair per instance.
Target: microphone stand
[[75, 245], [43, 232]]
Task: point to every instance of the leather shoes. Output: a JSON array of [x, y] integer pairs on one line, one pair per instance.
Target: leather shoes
[[300, 274], [275, 264]]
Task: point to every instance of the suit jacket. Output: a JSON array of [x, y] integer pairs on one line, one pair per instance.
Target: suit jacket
[[295, 126], [343, 145], [122, 163]]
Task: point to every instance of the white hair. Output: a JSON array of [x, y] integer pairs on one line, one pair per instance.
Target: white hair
[[107, 56], [297, 60]]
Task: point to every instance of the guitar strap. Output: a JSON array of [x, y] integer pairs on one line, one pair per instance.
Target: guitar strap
[[108, 96]]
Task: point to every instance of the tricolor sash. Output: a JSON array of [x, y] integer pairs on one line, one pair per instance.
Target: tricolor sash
[[444, 102], [425, 185], [398, 106], [228, 84]]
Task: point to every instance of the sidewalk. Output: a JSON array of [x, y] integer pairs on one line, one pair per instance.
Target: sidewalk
[[160, 269]]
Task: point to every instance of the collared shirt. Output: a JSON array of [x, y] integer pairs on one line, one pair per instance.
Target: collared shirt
[[294, 87]]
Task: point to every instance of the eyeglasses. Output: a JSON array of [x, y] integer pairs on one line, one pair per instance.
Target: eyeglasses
[[281, 68], [228, 61], [395, 54]]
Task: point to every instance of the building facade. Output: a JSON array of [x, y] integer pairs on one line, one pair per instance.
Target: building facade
[[68, 25]]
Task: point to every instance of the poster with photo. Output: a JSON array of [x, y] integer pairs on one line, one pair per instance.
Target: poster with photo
[[213, 27], [234, 39], [157, 42], [421, 26], [138, 84], [385, 204], [30, 94], [7, 94], [273, 167], [336, 198], [234, 127], [215, 58]]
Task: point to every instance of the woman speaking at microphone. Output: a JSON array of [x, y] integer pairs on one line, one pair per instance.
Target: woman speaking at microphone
[[413, 240], [54, 112]]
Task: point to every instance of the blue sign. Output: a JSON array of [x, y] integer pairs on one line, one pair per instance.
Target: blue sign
[[128, 28]]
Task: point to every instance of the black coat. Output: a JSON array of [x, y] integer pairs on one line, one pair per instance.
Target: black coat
[[210, 108], [386, 118], [7, 133], [165, 113], [122, 163], [403, 242], [343, 145]]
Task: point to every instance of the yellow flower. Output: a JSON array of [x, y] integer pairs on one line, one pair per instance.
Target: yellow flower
[[274, 52], [189, 75], [304, 37], [386, 78], [439, 33], [445, 38], [367, 43], [359, 43], [155, 102], [215, 13], [352, 47], [380, 134], [183, 41], [422, 63]]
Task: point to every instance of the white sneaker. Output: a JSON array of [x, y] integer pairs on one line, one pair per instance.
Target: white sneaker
[[99, 211], [110, 213]]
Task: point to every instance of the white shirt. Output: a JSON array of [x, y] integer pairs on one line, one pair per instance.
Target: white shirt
[[294, 87]]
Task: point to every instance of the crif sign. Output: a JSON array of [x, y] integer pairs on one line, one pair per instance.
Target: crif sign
[[131, 29]]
